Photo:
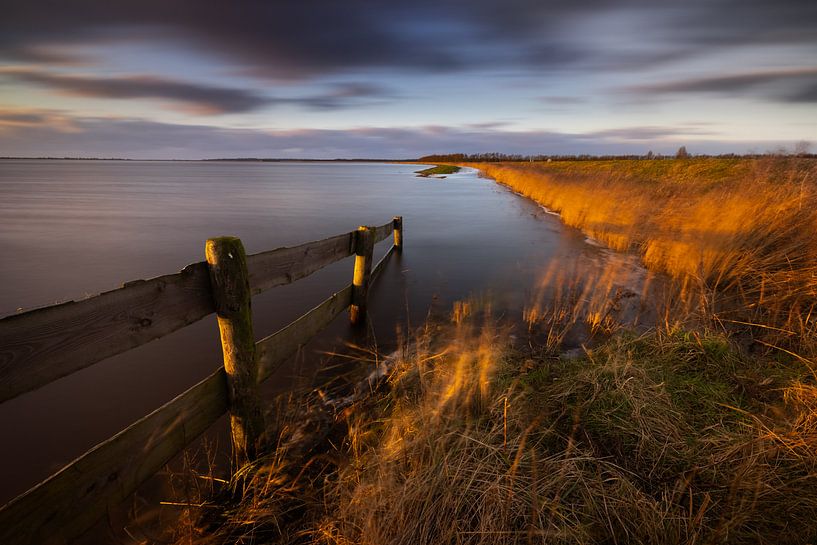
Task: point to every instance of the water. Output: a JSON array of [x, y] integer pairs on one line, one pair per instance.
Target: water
[[71, 228]]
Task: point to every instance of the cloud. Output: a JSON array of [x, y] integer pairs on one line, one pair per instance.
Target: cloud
[[34, 54], [15, 118], [644, 134], [789, 85], [137, 138], [343, 95], [194, 97], [319, 37], [562, 100]]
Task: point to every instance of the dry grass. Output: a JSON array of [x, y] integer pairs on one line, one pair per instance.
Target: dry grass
[[655, 439], [736, 234], [669, 438], [677, 435]]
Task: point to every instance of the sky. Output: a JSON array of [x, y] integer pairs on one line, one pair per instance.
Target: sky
[[184, 79]]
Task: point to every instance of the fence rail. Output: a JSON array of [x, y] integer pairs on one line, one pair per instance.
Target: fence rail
[[42, 345]]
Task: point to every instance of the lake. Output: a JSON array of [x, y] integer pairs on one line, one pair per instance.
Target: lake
[[73, 228]]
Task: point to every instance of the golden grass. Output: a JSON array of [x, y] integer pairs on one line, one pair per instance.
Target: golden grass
[[674, 436], [737, 234], [667, 438], [618, 447]]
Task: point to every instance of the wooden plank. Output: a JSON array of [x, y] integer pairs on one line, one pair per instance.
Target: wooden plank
[[278, 347], [67, 503], [383, 232], [380, 264], [231, 295], [286, 265], [42, 345]]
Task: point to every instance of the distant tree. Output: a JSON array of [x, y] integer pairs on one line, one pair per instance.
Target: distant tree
[[650, 155], [682, 153]]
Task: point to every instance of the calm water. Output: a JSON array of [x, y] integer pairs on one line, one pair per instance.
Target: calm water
[[71, 228]]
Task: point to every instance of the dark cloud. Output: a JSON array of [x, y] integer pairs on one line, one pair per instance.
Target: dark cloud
[[806, 93], [343, 95], [488, 125], [563, 100], [199, 98], [26, 118], [134, 138], [21, 52], [649, 133], [195, 97], [791, 85], [316, 37]]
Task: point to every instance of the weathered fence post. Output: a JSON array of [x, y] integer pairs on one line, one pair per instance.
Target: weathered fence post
[[364, 248], [398, 233], [227, 263]]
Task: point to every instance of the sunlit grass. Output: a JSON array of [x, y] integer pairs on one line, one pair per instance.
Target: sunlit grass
[[671, 436], [737, 232], [694, 424]]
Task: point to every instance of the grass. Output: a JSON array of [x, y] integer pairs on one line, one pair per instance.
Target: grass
[[737, 235], [667, 437], [438, 170], [700, 430]]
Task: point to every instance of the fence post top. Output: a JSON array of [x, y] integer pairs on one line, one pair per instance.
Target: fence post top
[[220, 243], [224, 240]]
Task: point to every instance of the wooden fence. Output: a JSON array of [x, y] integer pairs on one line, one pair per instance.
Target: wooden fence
[[40, 346]]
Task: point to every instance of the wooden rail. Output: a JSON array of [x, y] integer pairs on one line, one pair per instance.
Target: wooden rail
[[40, 346]]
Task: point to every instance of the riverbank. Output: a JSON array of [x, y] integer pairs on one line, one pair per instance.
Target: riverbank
[[735, 234], [700, 430]]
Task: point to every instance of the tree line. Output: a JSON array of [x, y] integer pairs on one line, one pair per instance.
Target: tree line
[[682, 153]]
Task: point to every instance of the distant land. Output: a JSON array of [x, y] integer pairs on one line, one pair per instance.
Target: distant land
[[446, 158], [235, 159]]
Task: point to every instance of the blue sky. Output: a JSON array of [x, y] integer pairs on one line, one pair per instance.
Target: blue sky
[[400, 79]]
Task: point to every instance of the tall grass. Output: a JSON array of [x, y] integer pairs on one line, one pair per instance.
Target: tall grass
[[669, 437], [675, 435], [738, 235], [648, 440]]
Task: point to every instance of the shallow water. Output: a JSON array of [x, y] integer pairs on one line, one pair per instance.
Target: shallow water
[[72, 228]]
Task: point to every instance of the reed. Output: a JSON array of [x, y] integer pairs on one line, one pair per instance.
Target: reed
[[670, 437], [736, 234]]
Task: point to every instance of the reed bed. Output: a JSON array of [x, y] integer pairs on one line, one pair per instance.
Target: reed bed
[[737, 235]]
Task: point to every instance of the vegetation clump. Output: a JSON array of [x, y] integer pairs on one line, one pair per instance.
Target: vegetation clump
[[437, 171]]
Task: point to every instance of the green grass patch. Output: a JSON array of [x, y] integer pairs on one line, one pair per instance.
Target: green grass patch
[[438, 170]]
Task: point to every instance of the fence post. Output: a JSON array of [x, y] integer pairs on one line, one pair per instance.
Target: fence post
[[364, 248], [229, 280], [398, 233]]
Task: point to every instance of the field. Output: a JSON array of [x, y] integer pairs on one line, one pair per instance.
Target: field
[[700, 430]]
